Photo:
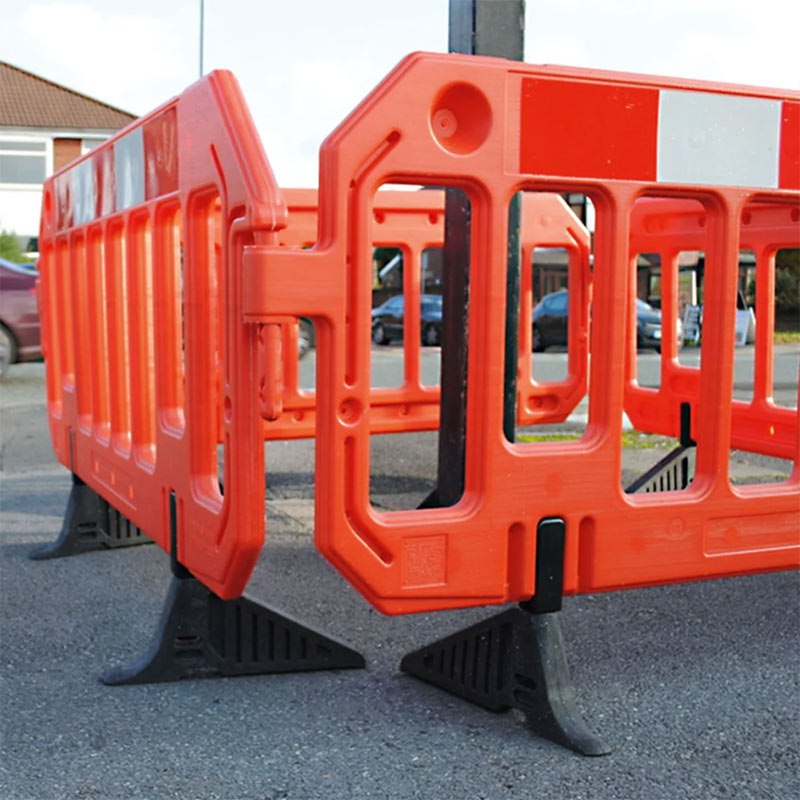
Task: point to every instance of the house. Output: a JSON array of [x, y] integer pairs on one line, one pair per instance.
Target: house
[[43, 126]]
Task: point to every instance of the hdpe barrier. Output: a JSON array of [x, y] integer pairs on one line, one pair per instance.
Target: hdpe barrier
[[492, 128], [163, 327], [141, 300], [668, 227], [413, 221]]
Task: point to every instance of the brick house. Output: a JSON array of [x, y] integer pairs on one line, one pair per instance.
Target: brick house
[[43, 126]]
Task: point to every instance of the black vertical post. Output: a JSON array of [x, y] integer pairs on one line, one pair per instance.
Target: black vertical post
[[489, 28]]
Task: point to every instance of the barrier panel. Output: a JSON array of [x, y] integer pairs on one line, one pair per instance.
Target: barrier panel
[[170, 290], [667, 227], [413, 221], [492, 128], [141, 301]]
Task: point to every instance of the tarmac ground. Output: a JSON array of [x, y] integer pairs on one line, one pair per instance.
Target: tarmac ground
[[695, 686]]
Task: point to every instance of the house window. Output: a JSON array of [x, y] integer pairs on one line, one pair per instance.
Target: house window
[[22, 161], [89, 144]]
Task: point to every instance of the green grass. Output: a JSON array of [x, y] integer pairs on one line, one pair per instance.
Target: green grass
[[787, 337], [630, 439], [548, 437]]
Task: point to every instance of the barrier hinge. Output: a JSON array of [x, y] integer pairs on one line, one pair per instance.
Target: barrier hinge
[[270, 369]]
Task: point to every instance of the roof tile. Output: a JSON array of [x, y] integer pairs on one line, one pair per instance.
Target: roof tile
[[28, 101]]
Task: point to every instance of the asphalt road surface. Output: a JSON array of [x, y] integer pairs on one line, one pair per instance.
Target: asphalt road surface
[[695, 686], [551, 365]]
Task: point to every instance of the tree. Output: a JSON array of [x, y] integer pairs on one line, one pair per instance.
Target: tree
[[787, 280], [9, 248]]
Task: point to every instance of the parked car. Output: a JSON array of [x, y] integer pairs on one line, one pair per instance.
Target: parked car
[[550, 323], [387, 319], [19, 317]]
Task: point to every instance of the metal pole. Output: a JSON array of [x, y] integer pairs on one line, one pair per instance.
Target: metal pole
[[490, 28], [202, 20]]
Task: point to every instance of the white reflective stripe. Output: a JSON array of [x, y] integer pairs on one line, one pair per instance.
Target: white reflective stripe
[[718, 139], [129, 169], [84, 193]]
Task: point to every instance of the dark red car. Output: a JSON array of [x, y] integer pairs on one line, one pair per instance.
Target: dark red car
[[19, 316]]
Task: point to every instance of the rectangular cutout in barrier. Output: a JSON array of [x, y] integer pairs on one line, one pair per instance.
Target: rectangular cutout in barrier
[[647, 290], [419, 317], [169, 318], [204, 296], [787, 318], [141, 338], [554, 316], [389, 312], [98, 335], [402, 484], [744, 357], [765, 372], [117, 315], [550, 312]]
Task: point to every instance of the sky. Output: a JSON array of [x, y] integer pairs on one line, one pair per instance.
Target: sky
[[304, 65]]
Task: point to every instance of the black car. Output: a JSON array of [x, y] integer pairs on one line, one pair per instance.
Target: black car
[[550, 323], [387, 319]]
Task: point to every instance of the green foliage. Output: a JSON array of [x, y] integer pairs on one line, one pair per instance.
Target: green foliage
[[10, 249], [787, 280]]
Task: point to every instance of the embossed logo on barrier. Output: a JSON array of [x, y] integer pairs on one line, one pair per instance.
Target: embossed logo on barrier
[[424, 561]]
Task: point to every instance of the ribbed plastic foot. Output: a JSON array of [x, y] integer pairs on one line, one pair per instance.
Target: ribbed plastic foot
[[202, 636], [90, 523], [512, 660], [672, 473]]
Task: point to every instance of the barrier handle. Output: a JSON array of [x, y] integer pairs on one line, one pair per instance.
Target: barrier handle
[[270, 370]]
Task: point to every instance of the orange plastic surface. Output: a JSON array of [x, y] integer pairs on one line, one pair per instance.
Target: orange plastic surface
[[146, 341], [667, 227], [414, 221], [467, 122], [164, 287], [411, 221]]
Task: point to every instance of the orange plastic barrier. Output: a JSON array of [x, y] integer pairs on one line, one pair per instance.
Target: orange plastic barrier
[[668, 227], [492, 128], [143, 325], [414, 221], [411, 221], [166, 291]]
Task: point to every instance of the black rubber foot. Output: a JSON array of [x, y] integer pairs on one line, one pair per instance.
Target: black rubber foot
[[203, 636], [672, 473], [512, 660], [90, 523]]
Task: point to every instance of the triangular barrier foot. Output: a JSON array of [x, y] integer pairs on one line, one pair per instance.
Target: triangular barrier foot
[[90, 523], [514, 659], [202, 636]]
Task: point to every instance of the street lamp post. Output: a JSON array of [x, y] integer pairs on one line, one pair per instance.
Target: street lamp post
[[202, 16]]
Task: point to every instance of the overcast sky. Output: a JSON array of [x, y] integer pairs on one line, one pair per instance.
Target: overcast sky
[[304, 65]]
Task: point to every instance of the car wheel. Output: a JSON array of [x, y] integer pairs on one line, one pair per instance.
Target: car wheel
[[305, 337], [379, 334], [8, 350], [430, 336], [538, 342]]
